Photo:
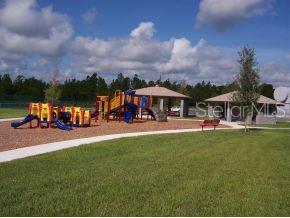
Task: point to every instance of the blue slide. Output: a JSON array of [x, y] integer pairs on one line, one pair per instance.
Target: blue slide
[[61, 125], [94, 114], [128, 115], [27, 119]]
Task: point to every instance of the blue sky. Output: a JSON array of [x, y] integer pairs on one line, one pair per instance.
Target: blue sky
[[182, 39]]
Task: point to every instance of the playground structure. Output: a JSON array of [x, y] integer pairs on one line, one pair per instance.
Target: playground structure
[[61, 117], [79, 116], [124, 105]]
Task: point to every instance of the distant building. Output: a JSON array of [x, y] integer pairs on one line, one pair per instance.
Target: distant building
[[230, 112], [282, 96]]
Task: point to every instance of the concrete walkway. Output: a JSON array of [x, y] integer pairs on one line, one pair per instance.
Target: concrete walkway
[[55, 146], [272, 128], [234, 125]]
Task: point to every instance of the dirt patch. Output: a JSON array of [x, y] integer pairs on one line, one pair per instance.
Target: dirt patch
[[11, 138]]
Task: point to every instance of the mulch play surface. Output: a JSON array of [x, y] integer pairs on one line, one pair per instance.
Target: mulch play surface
[[11, 138]]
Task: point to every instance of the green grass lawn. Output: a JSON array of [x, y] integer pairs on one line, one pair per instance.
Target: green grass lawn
[[217, 173], [278, 125], [12, 112]]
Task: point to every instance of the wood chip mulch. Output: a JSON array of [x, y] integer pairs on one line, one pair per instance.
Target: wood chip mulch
[[11, 138]]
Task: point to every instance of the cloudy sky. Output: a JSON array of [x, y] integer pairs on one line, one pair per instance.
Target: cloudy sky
[[180, 39]]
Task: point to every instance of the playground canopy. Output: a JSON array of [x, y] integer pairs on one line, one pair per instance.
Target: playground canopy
[[157, 91], [228, 97]]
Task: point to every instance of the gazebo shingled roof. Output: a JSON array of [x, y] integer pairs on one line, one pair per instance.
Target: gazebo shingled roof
[[228, 98], [157, 91]]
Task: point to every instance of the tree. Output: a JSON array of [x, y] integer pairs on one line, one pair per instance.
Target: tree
[[137, 83], [230, 87], [102, 86], [34, 88], [6, 86], [18, 84], [121, 83], [53, 92], [202, 91], [266, 90], [247, 82], [183, 87], [91, 86], [167, 84], [151, 83]]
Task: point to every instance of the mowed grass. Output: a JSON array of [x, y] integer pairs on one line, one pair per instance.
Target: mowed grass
[[217, 173], [13, 112]]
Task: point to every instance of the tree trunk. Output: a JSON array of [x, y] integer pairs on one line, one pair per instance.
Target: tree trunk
[[246, 124]]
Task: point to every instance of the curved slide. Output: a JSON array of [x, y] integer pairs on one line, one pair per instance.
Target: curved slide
[[27, 119], [156, 114], [128, 115], [152, 111], [61, 125]]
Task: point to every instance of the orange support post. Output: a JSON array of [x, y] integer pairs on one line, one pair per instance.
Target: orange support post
[[49, 120], [30, 112], [82, 117], [72, 111], [89, 121], [109, 108], [120, 106], [97, 108], [39, 112]]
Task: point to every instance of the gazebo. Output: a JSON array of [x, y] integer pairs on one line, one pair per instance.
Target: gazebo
[[227, 99], [161, 93]]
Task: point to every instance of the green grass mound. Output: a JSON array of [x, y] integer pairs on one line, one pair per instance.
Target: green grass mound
[[221, 173]]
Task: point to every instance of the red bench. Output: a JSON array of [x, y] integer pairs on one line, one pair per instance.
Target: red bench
[[213, 123]]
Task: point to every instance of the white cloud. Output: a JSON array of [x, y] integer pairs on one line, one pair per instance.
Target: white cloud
[[222, 14], [27, 30], [3, 65], [141, 53], [276, 72], [144, 30], [34, 39], [145, 50], [90, 15]]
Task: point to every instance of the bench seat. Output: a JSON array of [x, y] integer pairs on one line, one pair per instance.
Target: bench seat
[[214, 123]]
